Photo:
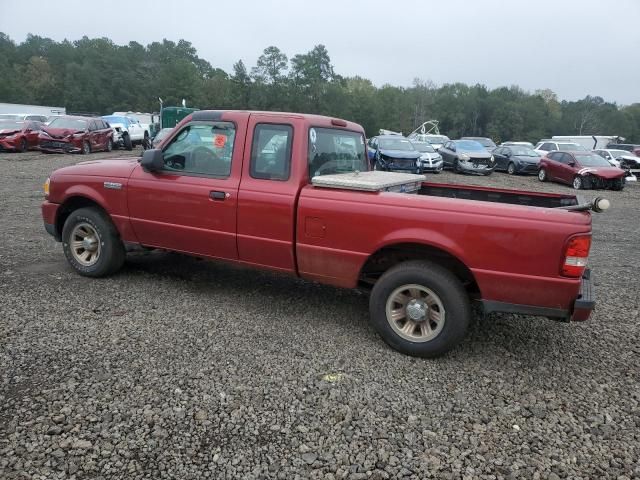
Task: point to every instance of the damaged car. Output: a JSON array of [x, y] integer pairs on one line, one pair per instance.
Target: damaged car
[[393, 153], [69, 134], [430, 160], [467, 156], [581, 170], [19, 136]]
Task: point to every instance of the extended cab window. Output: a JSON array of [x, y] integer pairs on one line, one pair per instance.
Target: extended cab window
[[332, 150], [271, 151], [202, 149]]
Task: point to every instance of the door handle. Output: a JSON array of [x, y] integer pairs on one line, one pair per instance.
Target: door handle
[[216, 195]]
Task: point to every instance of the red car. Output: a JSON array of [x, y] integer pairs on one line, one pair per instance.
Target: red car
[[274, 190], [581, 170], [67, 134], [19, 136]]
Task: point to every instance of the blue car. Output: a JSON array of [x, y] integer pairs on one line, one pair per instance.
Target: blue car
[[394, 153]]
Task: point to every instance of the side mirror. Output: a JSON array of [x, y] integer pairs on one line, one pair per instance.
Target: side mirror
[[152, 160], [507, 154]]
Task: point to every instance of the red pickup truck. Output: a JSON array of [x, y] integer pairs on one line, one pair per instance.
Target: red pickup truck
[[237, 186]]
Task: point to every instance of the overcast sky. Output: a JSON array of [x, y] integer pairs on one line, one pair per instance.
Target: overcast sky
[[573, 47]]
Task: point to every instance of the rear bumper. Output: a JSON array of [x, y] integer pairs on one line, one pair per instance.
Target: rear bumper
[[580, 310]]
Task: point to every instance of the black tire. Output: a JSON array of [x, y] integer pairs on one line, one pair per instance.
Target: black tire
[[542, 175], [456, 168], [488, 173], [578, 183], [23, 145], [444, 284], [112, 252], [127, 142], [109, 146], [86, 148], [511, 168]]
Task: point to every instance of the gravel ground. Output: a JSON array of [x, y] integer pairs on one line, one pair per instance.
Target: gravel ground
[[180, 368]]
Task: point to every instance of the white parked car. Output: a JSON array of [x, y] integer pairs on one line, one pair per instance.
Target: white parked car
[[128, 132], [545, 146], [436, 141]]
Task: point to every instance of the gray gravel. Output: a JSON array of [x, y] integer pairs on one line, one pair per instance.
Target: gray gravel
[[180, 368]]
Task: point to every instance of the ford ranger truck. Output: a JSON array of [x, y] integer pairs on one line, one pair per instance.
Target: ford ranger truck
[[237, 186]]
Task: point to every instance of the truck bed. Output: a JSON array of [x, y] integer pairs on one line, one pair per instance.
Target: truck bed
[[483, 194]]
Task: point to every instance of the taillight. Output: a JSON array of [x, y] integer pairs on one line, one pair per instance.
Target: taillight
[[576, 255]]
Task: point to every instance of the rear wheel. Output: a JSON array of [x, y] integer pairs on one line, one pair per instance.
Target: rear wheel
[[91, 243], [577, 183], [420, 308], [542, 175], [511, 168], [23, 145]]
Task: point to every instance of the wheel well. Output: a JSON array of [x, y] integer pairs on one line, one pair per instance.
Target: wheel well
[[70, 205], [387, 257]]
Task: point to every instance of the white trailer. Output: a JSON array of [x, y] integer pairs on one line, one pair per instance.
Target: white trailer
[[590, 142], [31, 109]]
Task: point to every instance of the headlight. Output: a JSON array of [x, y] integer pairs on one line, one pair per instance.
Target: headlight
[[463, 157], [492, 160], [45, 187]]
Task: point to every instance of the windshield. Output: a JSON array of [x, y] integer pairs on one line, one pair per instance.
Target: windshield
[[485, 142], [332, 150], [470, 146], [436, 138], [568, 147], [9, 125], [396, 144], [618, 153], [68, 123], [423, 147], [591, 160], [115, 119], [523, 152]]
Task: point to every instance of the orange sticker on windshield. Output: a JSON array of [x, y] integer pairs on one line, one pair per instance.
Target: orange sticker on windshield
[[219, 141]]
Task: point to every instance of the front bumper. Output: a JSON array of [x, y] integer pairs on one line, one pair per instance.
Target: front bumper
[[431, 166], [49, 216], [470, 167], [58, 146]]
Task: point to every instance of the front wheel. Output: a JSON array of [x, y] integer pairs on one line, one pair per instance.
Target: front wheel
[[542, 175], [23, 145], [420, 309], [127, 142], [91, 243], [578, 183], [86, 148], [109, 145], [511, 168]]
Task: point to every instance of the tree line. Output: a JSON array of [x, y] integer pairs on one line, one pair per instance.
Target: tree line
[[96, 75]]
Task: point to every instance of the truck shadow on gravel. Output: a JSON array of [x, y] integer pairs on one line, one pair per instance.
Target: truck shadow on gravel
[[500, 334]]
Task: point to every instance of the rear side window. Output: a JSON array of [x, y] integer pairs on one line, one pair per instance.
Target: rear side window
[[271, 152], [548, 147], [332, 150], [555, 156]]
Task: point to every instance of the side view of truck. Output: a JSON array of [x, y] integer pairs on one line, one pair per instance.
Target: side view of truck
[[246, 187]]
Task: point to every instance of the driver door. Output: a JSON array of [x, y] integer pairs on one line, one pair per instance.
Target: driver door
[[191, 204]]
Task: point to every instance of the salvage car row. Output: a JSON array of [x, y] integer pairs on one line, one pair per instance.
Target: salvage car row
[[563, 162], [71, 134]]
